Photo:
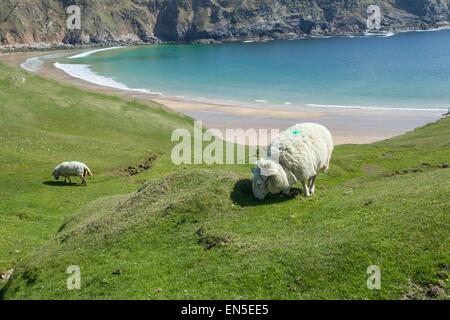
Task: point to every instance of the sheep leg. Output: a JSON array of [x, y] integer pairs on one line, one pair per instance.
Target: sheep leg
[[306, 189], [312, 185], [70, 180], [65, 179]]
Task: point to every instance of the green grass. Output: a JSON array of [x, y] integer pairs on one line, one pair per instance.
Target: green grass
[[196, 232], [43, 124]]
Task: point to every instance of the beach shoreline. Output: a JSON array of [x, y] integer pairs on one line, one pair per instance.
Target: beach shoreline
[[354, 126]]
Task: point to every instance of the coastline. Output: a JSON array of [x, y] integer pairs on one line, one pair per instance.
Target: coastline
[[59, 46], [348, 125]]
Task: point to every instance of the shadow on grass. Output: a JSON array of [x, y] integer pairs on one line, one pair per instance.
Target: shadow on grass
[[3, 288], [61, 184], [242, 195]]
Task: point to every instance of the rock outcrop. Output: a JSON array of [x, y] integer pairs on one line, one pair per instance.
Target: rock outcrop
[[43, 22]]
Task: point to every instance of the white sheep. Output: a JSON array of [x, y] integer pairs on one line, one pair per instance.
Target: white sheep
[[296, 155], [72, 169]]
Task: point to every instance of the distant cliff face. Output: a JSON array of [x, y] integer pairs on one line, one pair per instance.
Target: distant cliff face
[[31, 22]]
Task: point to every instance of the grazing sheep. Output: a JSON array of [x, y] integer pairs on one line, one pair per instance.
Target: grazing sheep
[[72, 169], [296, 155]]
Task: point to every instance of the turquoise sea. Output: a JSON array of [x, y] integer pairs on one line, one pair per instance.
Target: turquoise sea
[[407, 70]]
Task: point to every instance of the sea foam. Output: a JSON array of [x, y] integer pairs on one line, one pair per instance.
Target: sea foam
[[84, 72], [32, 64], [88, 53], [370, 108]]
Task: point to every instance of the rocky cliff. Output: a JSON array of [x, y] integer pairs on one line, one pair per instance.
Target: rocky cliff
[[34, 22]]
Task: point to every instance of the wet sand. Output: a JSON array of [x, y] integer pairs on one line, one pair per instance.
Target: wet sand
[[356, 126]]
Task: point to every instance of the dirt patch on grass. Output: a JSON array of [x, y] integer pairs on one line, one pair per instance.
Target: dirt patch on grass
[[209, 241], [431, 291], [144, 165], [426, 292], [416, 169]]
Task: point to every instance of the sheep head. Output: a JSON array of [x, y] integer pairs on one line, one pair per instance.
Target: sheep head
[[55, 173], [268, 177]]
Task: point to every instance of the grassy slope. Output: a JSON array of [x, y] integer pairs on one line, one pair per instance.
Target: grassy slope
[[198, 233], [42, 124]]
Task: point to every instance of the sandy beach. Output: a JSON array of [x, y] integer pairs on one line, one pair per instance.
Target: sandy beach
[[356, 126]]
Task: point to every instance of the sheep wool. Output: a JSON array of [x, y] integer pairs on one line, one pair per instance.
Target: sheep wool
[[298, 154], [72, 169]]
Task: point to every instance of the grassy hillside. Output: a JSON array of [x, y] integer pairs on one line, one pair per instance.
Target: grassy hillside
[[42, 124], [190, 232]]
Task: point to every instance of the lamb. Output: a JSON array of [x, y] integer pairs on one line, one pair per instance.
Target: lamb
[[296, 155], [72, 169]]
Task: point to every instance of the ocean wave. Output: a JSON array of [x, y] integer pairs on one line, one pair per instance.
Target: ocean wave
[[84, 72], [88, 53], [379, 34], [370, 108], [32, 64]]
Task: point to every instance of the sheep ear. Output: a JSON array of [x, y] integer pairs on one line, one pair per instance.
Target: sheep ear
[[255, 170]]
